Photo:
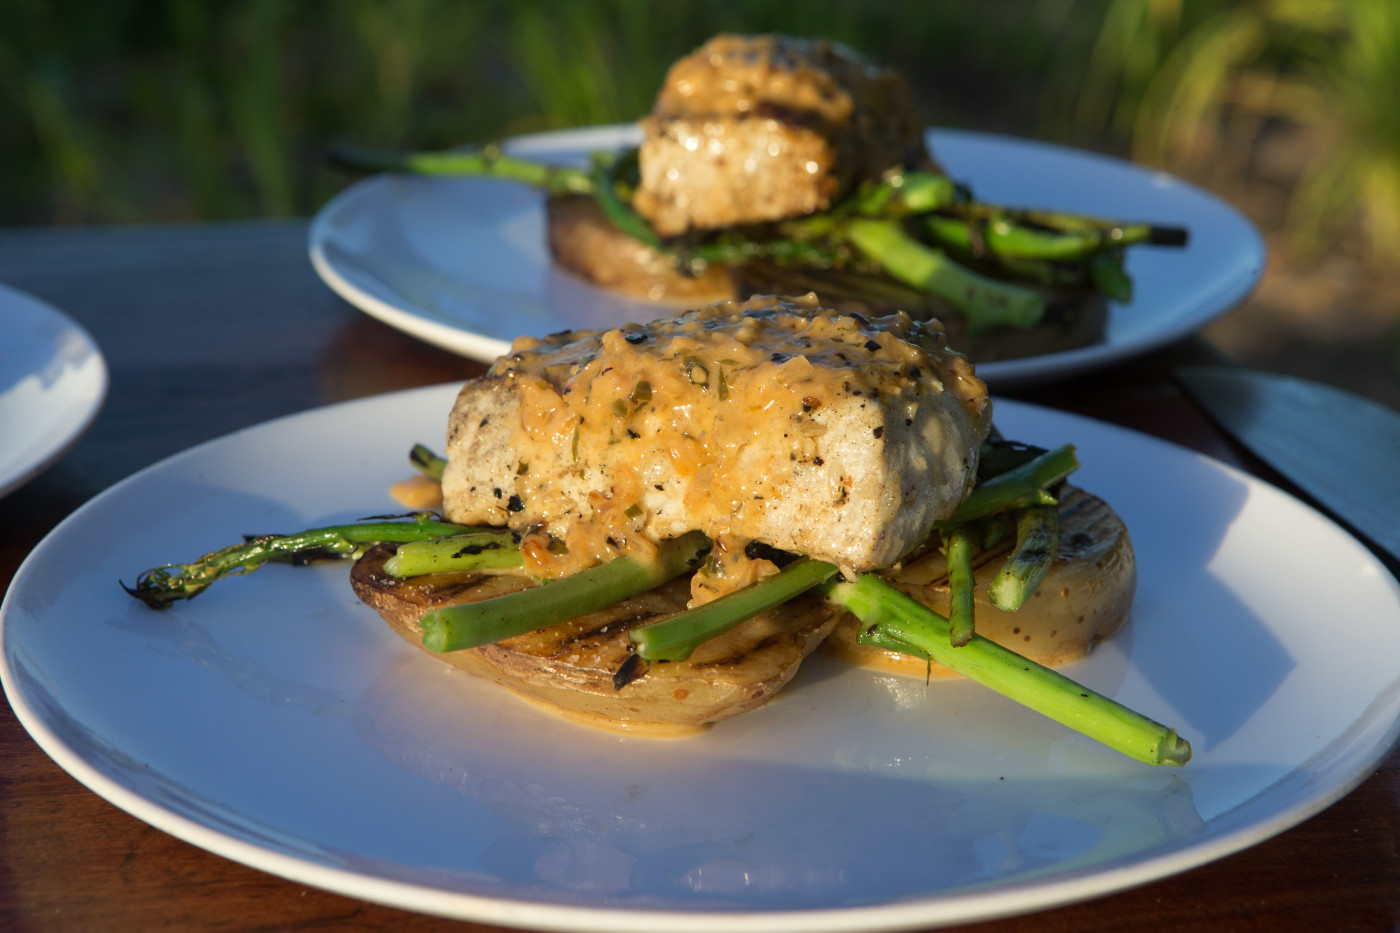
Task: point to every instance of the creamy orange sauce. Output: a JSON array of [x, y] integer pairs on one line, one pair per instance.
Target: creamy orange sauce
[[700, 389], [418, 492], [727, 568], [886, 662]]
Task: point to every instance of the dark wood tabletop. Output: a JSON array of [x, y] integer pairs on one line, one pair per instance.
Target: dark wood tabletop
[[208, 329]]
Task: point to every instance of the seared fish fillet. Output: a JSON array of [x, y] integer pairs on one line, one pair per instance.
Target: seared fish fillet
[[831, 435], [749, 129]]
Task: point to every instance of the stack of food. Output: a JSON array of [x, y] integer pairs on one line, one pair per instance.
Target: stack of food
[[651, 527], [774, 165]]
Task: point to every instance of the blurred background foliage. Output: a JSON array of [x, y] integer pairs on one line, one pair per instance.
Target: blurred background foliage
[[144, 111], [132, 111]]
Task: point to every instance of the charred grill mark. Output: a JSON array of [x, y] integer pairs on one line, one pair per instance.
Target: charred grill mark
[[744, 652], [448, 592], [759, 550], [473, 549], [604, 629], [634, 667]]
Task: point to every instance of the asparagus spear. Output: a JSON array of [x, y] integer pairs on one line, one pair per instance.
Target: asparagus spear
[[162, 586], [985, 302], [1041, 235], [1018, 487], [453, 628], [898, 619], [489, 161], [904, 193], [961, 624], [487, 549], [1037, 538], [428, 462], [1106, 272], [675, 637]]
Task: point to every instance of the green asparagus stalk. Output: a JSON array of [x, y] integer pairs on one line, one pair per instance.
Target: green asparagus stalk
[[905, 193], [675, 637], [961, 623], [1037, 538], [733, 249], [427, 462], [490, 549], [1017, 488], [984, 302], [899, 618], [606, 175], [1005, 232], [1106, 272], [162, 586], [488, 161], [453, 628]]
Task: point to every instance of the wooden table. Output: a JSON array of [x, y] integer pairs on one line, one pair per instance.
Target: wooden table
[[213, 328]]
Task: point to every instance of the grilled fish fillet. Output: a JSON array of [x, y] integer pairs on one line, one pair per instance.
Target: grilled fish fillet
[[749, 129], [831, 435]]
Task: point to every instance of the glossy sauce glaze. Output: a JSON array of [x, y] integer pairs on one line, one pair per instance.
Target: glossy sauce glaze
[[727, 401]]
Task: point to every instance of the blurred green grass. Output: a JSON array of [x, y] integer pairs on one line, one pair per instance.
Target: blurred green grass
[[136, 111]]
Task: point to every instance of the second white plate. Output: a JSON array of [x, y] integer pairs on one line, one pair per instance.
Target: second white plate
[[462, 263]]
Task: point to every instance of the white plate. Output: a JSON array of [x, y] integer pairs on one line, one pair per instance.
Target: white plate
[[462, 263], [278, 722], [53, 380]]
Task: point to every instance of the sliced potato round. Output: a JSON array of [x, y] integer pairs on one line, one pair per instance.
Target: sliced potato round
[[568, 668], [1084, 598], [583, 241]]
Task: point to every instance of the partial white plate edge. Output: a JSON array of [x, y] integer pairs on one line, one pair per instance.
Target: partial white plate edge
[[466, 343], [79, 420]]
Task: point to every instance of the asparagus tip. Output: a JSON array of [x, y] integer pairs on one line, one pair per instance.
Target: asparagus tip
[[153, 597], [435, 634], [1173, 749]]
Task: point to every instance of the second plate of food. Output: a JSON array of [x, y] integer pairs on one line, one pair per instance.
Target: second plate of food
[[462, 263]]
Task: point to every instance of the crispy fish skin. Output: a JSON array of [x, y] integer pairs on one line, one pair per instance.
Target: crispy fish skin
[[749, 129], [569, 667], [828, 435]]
